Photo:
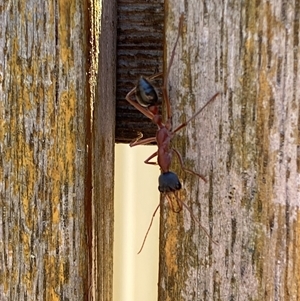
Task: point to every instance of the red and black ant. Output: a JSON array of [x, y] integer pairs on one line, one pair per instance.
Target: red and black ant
[[147, 103]]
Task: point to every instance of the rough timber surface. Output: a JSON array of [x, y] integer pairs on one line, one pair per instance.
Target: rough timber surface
[[246, 143]]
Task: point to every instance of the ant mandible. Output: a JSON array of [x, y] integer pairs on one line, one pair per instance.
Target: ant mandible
[[147, 103]]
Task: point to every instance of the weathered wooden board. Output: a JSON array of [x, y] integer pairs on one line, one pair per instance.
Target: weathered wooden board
[[56, 150], [43, 150], [247, 145]]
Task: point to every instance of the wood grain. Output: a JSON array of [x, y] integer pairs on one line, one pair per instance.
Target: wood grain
[[247, 145], [48, 67]]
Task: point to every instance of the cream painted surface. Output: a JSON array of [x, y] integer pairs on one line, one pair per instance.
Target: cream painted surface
[[136, 197]]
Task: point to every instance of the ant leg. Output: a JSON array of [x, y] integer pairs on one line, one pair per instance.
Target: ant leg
[[151, 157], [186, 169], [148, 229], [195, 220], [138, 141], [143, 110], [164, 88], [195, 115]]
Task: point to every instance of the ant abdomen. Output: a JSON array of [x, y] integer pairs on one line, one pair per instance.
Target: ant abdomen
[[168, 181], [146, 94]]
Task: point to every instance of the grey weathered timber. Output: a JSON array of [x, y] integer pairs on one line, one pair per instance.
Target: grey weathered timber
[[246, 143], [43, 151], [103, 157], [49, 210]]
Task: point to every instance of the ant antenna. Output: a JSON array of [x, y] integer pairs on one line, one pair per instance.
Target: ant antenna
[[153, 215]]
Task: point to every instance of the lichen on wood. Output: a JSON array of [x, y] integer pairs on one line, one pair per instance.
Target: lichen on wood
[[247, 145], [43, 151]]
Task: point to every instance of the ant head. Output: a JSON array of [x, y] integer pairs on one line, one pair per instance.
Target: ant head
[[146, 94], [168, 181]]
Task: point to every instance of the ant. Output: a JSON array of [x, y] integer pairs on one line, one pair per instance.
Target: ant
[[147, 103]]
